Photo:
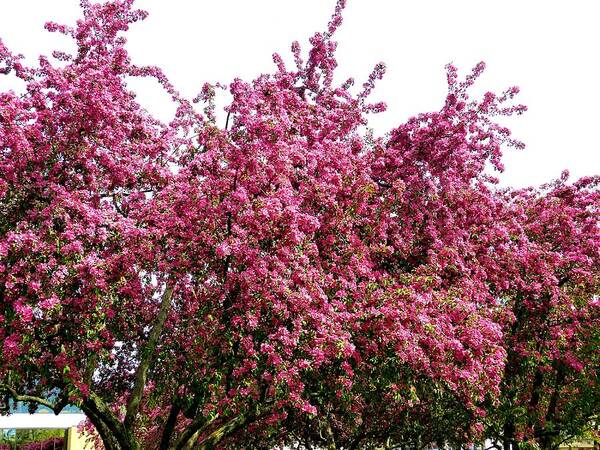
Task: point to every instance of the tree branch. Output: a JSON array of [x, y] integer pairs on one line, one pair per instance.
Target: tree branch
[[146, 357], [169, 427], [55, 407], [95, 409], [227, 120], [61, 403], [192, 431], [330, 436], [96, 406], [232, 425], [103, 430]]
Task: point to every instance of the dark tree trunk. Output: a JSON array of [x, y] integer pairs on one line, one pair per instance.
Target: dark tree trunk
[[509, 435]]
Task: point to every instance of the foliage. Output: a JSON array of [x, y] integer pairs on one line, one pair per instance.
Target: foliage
[[33, 440], [289, 277]]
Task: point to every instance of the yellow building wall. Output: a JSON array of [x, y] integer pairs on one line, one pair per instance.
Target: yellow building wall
[[77, 441]]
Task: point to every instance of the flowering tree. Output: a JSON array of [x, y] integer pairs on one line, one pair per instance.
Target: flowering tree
[[288, 277], [550, 389]]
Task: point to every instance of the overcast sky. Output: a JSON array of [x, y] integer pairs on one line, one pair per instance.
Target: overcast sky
[[548, 48]]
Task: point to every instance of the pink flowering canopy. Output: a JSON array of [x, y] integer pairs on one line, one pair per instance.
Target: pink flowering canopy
[[550, 390], [287, 277]]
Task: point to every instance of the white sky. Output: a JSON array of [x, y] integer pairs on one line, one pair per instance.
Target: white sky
[[548, 48]]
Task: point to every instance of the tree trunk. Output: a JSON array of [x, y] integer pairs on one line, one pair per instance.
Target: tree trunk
[[508, 438]]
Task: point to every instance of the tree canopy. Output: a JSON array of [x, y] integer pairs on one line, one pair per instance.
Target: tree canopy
[[288, 277]]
